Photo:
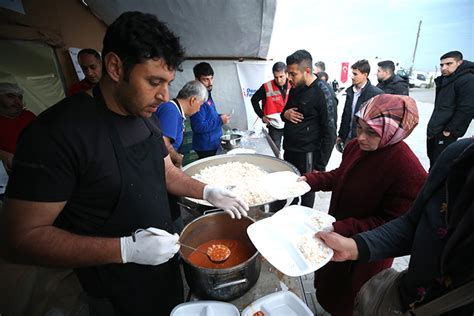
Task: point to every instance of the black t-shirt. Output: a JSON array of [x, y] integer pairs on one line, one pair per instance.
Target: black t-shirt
[[66, 154]]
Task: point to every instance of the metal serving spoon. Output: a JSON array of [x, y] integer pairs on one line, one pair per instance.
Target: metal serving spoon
[[217, 253]]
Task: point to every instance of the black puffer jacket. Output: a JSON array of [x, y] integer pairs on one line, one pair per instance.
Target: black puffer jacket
[[454, 103], [368, 92], [394, 85]]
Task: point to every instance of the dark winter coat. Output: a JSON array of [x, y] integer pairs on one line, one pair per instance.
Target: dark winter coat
[[394, 85], [454, 103], [368, 92]]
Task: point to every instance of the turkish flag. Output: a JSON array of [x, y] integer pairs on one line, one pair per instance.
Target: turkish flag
[[344, 71]]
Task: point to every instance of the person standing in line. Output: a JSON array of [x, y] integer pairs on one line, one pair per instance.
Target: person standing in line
[[319, 66], [207, 122], [307, 135], [436, 232], [358, 93], [273, 95], [379, 165], [389, 82], [454, 104]]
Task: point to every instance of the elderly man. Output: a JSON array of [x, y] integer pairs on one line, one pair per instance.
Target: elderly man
[[90, 180], [172, 115], [389, 82], [13, 119], [454, 104], [91, 65], [273, 95]]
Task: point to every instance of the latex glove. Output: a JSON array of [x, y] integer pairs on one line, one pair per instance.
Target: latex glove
[[149, 248], [226, 200]]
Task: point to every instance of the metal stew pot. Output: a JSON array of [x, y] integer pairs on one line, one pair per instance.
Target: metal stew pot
[[219, 284]]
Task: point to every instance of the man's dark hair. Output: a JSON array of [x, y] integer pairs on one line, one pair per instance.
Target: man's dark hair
[[89, 51], [136, 37], [279, 67], [387, 65], [302, 58], [321, 65], [203, 69], [453, 54], [362, 65], [323, 74]]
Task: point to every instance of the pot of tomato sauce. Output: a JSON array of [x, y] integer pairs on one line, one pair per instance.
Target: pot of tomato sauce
[[226, 280]]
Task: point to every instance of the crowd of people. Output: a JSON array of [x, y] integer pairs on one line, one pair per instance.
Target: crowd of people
[[90, 173]]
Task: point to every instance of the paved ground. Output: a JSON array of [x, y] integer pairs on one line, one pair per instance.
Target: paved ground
[[416, 141]]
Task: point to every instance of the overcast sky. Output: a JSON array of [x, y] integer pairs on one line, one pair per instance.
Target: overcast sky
[[335, 31]]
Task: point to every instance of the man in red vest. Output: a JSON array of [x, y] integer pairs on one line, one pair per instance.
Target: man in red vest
[[273, 95]]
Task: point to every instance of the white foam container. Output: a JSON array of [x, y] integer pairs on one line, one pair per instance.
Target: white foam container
[[282, 303], [205, 308]]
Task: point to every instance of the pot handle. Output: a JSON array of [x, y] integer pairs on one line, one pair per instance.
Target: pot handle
[[212, 210], [223, 285]]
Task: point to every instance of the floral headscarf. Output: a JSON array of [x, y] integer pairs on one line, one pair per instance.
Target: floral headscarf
[[392, 117]]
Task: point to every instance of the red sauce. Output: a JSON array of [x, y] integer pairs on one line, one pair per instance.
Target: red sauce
[[239, 252]]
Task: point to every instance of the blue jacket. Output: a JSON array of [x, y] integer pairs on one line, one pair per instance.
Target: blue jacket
[[206, 125]]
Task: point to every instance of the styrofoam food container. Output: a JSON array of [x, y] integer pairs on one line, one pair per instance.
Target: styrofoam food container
[[282, 303], [276, 238], [205, 308]]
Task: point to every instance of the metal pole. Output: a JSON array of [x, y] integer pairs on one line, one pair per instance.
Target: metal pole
[[416, 46]]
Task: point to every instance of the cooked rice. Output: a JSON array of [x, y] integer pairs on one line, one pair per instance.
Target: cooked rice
[[242, 177], [313, 249]]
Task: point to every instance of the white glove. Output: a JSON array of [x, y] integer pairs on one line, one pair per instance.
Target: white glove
[[226, 200], [152, 246]]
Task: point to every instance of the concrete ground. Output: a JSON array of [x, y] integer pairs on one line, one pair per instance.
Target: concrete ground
[[416, 141]]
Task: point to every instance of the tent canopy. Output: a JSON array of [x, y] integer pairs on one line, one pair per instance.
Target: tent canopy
[[208, 29]]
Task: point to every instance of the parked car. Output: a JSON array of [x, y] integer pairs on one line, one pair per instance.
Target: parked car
[[418, 80]]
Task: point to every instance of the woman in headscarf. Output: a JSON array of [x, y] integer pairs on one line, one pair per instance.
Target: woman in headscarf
[[378, 179]]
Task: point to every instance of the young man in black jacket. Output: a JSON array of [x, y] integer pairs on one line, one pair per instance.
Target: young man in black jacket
[[454, 103], [307, 136], [360, 91], [389, 82]]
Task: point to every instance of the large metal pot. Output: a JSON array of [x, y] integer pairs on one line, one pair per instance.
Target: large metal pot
[[219, 284], [267, 163]]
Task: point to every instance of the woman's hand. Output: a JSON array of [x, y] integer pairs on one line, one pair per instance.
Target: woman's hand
[[302, 178]]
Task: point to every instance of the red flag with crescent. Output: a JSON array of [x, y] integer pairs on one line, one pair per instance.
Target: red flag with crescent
[[344, 71]]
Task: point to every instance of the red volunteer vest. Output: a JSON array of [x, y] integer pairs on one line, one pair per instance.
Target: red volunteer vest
[[274, 102]]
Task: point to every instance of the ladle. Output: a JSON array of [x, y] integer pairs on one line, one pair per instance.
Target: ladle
[[217, 253]]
